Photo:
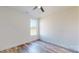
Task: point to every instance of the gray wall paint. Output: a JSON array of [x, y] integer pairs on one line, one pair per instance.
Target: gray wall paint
[[62, 28], [14, 28]]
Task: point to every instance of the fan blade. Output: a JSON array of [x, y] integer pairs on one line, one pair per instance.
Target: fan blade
[[42, 9], [35, 8]]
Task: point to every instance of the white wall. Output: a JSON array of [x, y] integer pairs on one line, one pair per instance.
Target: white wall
[[14, 28], [62, 28]]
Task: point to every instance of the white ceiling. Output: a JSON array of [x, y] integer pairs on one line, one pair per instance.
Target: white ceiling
[[37, 13]]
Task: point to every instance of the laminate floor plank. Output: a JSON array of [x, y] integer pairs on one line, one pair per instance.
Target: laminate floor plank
[[42, 47], [39, 47]]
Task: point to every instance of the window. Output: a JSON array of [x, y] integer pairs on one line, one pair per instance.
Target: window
[[33, 27]]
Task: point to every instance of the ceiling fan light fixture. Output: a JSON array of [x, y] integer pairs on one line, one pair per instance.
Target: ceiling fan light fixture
[[39, 6]]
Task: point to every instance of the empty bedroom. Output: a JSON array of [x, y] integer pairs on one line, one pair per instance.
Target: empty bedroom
[[39, 29]]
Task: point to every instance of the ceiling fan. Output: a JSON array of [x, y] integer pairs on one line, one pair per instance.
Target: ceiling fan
[[39, 7]]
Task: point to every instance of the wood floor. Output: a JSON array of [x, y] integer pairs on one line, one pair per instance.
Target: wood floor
[[41, 47]]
